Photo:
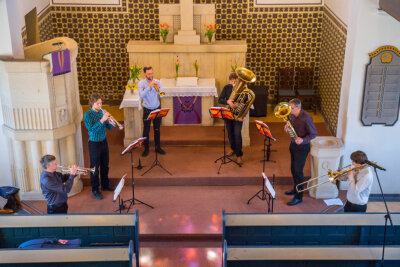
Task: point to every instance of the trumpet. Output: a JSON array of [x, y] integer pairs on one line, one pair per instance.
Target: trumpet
[[113, 121], [155, 84], [79, 170], [333, 176]]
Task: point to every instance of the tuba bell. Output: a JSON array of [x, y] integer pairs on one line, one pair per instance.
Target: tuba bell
[[241, 96], [282, 111]]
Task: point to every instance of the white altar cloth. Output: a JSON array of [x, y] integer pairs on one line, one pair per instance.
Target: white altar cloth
[[205, 87]]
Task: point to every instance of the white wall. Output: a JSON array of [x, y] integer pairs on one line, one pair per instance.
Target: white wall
[[367, 31], [5, 45], [340, 8]]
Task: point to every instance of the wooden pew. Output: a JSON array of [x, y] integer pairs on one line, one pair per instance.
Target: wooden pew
[[92, 229], [264, 236]]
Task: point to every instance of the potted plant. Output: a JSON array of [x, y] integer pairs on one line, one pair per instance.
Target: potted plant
[[134, 72], [164, 30], [210, 31]]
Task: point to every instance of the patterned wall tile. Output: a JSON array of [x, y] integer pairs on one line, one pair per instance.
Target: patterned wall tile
[[331, 70], [276, 36]]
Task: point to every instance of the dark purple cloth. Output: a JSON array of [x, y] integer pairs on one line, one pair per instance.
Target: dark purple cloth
[[304, 126], [61, 62], [55, 186], [187, 109]]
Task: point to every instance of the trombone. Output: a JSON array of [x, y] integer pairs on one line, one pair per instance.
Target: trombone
[[113, 121], [79, 170], [333, 176]]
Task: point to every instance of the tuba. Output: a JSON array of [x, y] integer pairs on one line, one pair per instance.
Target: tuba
[[241, 96], [282, 111]]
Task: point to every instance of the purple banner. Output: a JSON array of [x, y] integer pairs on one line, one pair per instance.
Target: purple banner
[[61, 62], [187, 109]]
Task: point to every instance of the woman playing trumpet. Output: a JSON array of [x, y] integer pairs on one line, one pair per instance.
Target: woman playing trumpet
[[96, 122]]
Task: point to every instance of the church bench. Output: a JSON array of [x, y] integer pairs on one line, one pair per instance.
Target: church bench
[[293, 256], [92, 229], [123, 256], [309, 229]]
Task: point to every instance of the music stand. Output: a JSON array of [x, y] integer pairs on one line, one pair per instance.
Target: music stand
[[117, 192], [264, 130], [223, 113], [267, 196], [134, 144], [158, 113]]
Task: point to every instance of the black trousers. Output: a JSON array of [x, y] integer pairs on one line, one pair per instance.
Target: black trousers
[[298, 156], [234, 129], [146, 128], [58, 208], [350, 207], [99, 158]]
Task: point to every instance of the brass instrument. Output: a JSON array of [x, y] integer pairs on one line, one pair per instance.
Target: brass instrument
[[155, 84], [333, 176], [113, 121], [241, 96], [79, 170], [282, 111]]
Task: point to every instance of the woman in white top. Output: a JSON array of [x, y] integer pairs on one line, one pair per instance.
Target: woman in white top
[[360, 183]]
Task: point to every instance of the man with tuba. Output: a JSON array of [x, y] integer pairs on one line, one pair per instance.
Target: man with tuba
[[360, 184], [55, 185], [149, 92], [305, 130], [96, 121]]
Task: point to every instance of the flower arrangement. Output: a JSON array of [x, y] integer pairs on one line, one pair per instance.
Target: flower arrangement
[[210, 31], [233, 68], [177, 65], [196, 67], [164, 30], [134, 72]]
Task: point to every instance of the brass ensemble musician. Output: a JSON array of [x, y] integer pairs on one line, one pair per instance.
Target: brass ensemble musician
[[55, 185], [360, 184], [149, 92], [300, 147], [233, 127]]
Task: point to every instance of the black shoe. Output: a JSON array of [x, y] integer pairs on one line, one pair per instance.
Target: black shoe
[[145, 153], [160, 151], [108, 188], [295, 201], [291, 192], [97, 195]]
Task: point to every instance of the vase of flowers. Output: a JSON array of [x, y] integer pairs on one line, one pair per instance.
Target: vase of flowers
[[210, 31], [164, 30], [134, 72], [196, 68], [177, 65]]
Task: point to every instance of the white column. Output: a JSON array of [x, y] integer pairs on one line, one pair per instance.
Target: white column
[[19, 172], [35, 167], [51, 148], [186, 35], [70, 158]]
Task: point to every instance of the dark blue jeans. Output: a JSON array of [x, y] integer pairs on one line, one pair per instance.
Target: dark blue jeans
[[298, 156], [350, 207], [99, 158], [234, 129], [57, 208], [146, 128]]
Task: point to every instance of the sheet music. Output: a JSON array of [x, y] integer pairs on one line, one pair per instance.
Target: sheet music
[[333, 202], [269, 186], [135, 142], [119, 187]]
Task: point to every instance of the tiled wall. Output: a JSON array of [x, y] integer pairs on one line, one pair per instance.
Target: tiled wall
[[287, 36], [331, 67]]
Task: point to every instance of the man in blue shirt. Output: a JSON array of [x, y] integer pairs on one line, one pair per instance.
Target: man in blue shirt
[[151, 101], [96, 121], [55, 186]]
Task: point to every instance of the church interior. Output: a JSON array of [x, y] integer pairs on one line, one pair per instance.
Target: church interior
[[314, 86]]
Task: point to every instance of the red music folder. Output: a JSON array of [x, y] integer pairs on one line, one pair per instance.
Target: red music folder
[[264, 129], [221, 113], [158, 113], [134, 144]]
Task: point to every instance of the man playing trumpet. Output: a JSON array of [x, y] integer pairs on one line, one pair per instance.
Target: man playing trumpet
[[55, 185], [96, 121], [149, 92]]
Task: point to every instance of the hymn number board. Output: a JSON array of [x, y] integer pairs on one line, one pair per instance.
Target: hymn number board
[[382, 87]]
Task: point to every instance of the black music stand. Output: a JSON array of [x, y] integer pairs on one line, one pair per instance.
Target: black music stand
[[264, 130], [135, 144], [265, 195], [117, 191], [158, 113], [223, 113]]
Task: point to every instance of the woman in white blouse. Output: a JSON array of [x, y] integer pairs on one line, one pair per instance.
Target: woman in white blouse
[[360, 183]]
